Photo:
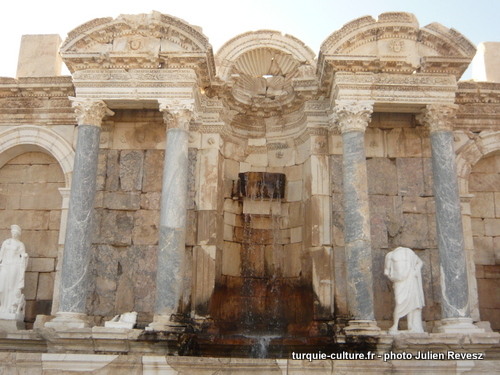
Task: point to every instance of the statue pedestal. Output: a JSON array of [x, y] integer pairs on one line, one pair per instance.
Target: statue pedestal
[[11, 322]]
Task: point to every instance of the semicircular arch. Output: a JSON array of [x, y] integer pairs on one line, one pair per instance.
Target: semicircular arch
[[30, 138]]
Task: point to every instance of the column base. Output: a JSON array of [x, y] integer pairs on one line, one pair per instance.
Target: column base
[[362, 327], [166, 323], [11, 322], [458, 325], [66, 321]]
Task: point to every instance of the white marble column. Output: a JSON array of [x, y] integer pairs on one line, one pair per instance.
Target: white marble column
[[77, 244], [171, 244], [353, 117], [454, 285]]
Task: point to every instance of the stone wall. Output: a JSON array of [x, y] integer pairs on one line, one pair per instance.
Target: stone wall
[[127, 213], [29, 197], [484, 184]]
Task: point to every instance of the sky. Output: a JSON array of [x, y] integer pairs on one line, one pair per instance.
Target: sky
[[311, 21]]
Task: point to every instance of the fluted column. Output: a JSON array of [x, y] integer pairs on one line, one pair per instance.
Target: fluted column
[[454, 285], [77, 244], [352, 118], [171, 245]]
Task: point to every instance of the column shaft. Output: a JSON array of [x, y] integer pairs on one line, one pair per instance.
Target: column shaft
[[357, 228], [353, 118], [454, 286], [172, 223], [452, 258], [78, 240]]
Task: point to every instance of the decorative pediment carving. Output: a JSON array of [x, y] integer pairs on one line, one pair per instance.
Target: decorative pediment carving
[[394, 43], [147, 41], [265, 73]]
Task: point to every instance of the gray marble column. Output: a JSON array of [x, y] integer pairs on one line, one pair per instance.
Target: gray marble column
[[352, 118], [452, 257], [171, 244], [74, 272]]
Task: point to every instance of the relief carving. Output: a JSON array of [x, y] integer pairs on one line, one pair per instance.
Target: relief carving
[[352, 115], [438, 117], [90, 111]]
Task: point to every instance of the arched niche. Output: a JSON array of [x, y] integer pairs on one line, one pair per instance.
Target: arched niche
[[30, 138]]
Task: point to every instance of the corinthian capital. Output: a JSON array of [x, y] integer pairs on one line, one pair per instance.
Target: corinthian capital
[[438, 117], [352, 116], [177, 113], [90, 111]]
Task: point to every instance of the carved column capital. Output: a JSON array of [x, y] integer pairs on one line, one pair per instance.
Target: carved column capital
[[438, 117], [90, 111], [352, 116], [177, 113]]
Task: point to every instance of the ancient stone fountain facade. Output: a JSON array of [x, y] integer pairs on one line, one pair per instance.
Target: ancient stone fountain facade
[[249, 198]]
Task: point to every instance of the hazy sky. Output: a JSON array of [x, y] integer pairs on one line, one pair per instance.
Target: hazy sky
[[311, 21]]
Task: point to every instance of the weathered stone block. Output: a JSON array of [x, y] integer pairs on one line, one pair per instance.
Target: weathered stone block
[[336, 173], [41, 196], [151, 201], [45, 286], [478, 226], [231, 259], [497, 204], [208, 191], [294, 173], [296, 235], [492, 227], [415, 232], [483, 205], [410, 176], [153, 170], [296, 214], [483, 250], [40, 244], [292, 261], [116, 228], [489, 287], [382, 176], [207, 227], [54, 219], [40, 265], [484, 182], [146, 224], [406, 143], [378, 230], [113, 171], [120, 200], [131, 169], [191, 227], [102, 162], [30, 285], [293, 191]]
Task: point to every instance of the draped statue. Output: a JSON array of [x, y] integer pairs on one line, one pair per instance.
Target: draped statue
[[13, 264], [403, 268]]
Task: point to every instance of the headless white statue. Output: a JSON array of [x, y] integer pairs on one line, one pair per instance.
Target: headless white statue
[[13, 263], [403, 268]]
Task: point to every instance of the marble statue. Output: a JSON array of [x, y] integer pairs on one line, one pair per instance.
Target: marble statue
[[403, 268], [13, 263]]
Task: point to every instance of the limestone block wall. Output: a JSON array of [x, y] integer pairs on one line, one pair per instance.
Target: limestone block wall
[[401, 209], [484, 184], [127, 213], [29, 197]]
